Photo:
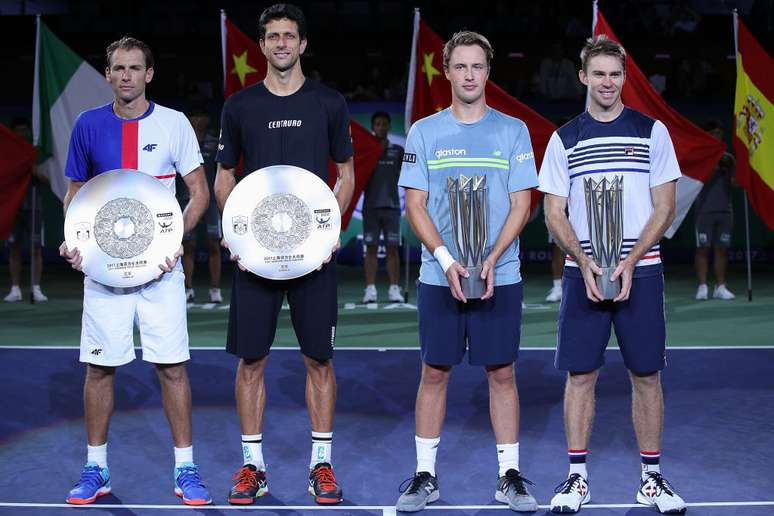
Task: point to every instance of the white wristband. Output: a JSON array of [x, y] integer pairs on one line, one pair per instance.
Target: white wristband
[[444, 257]]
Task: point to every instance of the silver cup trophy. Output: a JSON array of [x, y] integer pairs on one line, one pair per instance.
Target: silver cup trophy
[[604, 211], [469, 212]]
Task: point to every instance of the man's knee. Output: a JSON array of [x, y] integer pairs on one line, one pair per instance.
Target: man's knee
[[98, 373], [646, 381], [501, 375], [251, 370], [171, 373], [435, 376], [582, 381]]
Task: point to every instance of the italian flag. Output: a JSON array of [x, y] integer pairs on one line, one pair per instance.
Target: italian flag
[[65, 85]]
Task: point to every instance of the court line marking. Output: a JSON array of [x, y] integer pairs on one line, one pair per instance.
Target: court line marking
[[397, 348], [386, 509]]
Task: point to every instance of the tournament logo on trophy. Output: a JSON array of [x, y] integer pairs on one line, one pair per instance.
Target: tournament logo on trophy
[[469, 212], [604, 212]]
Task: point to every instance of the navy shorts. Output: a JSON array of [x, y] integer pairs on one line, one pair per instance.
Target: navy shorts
[[381, 220], [489, 330], [639, 322], [256, 303]]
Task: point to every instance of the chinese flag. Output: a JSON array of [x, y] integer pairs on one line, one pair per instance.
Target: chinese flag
[[697, 152], [753, 130], [17, 157], [430, 92], [244, 64]]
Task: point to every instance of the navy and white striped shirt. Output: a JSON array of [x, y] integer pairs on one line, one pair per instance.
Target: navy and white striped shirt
[[634, 147]]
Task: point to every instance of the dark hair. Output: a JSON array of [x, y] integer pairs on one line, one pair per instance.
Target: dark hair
[[278, 12], [381, 114], [467, 38], [129, 43], [604, 46], [711, 125], [19, 120]]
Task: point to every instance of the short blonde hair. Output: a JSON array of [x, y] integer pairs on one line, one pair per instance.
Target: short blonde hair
[[602, 46], [467, 38]]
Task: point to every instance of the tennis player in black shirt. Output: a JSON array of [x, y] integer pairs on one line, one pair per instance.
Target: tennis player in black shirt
[[286, 119]]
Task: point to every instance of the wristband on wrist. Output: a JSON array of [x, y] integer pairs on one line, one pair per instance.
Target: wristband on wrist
[[444, 257]]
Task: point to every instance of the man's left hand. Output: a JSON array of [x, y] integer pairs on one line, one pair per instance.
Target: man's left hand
[[487, 274], [624, 271], [330, 256], [170, 263]]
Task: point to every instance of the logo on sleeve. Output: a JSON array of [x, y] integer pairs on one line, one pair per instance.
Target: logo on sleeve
[[524, 156], [409, 157], [150, 147]]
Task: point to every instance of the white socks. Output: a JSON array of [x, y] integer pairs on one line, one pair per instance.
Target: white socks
[[183, 456], [507, 458], [426, 452], [97, 454], [321, 448], [252, 451]]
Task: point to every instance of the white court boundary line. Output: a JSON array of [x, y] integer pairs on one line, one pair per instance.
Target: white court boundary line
[[386, 510], [400, 348]]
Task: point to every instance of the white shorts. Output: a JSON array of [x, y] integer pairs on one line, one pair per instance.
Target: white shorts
[[158, 308]]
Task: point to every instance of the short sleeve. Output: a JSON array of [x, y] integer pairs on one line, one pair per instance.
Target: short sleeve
[[522, 174], [413, 172], [230, 141], [188, 156], [663, 161], [78, 166], [339, 134], [554, 177]]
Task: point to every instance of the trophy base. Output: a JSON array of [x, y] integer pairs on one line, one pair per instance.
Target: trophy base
[[473, 287], [608, 289]]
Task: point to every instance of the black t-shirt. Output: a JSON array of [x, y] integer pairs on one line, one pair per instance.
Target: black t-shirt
[[382, 189], [302, 129]]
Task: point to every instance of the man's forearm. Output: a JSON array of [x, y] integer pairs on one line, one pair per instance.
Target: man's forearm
[[654, 230], [194, 210], [224, 184], [423, 227], [345, 184], [565, 236], [514, 224]]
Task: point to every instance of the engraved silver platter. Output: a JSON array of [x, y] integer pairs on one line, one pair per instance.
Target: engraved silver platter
[[125, 223], [282, 221]]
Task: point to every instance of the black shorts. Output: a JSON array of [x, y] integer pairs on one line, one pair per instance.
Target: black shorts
[[714, 228], [256, 303], [381, 220]]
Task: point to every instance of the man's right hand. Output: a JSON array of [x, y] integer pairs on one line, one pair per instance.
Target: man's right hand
[[590, 271], [73, 256], [233, 257], [453, 274]]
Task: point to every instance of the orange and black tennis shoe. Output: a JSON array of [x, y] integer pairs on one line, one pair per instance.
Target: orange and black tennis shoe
[[323, 486], [250, 483]]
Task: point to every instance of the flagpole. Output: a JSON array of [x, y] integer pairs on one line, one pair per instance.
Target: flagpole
[[412, 72], [746, 203], [223, 44], [35, 139]]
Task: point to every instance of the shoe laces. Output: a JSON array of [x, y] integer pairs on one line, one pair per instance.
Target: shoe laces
[[188, 476], [91, 476], [246, 478], [514, 478], [412, 485], [661, 483], [323, 474], [572, 482]]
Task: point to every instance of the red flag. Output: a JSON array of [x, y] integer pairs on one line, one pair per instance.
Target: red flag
[[429, 92], [753, 141], [244, 64], [697, 152], [17, 157]]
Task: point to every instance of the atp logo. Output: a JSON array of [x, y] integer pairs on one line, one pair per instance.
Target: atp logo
[[150, 147]]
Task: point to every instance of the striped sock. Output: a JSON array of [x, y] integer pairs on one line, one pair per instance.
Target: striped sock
[[252, 451], [578, 462], [321, 448], [650, 462]]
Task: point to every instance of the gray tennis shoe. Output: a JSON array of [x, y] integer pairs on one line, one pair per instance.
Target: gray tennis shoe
[[511, 490], [421, 490]]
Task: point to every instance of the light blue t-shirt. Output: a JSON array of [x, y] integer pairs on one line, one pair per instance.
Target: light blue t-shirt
[[498, 147]]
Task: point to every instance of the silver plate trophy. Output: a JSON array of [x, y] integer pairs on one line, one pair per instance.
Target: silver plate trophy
[[469, 212], [604, 211], [282, 221], [124, 223]]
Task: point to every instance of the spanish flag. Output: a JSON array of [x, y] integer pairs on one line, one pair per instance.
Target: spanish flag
[[429, 91], [754, 129], [244, 64]]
